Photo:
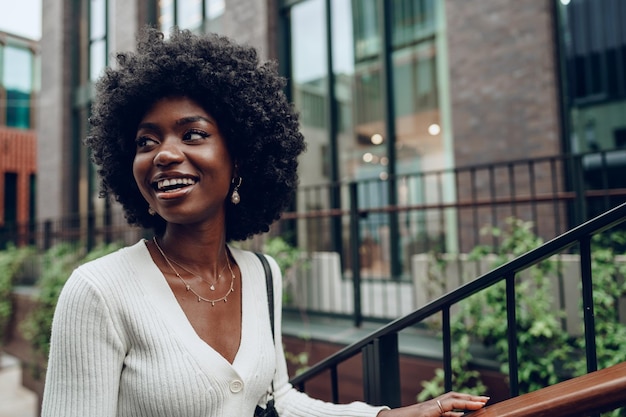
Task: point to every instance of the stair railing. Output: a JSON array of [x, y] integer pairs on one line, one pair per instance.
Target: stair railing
[[380, 353]]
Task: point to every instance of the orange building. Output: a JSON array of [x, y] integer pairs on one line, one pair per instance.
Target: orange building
[[18, 165], [19, 84]]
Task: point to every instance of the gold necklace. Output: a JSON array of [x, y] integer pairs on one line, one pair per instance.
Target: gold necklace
[[211, 284], [188, 287]]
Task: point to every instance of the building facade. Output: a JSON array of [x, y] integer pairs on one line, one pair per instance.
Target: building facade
[[384, 88], [19, 86]]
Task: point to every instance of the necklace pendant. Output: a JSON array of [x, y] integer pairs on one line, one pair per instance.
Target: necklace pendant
[[212, 303], [187, 287], [212, 287]]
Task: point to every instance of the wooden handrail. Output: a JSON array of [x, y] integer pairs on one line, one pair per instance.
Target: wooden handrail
[[595, 392]]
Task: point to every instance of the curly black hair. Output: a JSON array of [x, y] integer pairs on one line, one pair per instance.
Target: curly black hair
[[246, 99]]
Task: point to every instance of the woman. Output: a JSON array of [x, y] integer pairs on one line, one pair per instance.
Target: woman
[[196, 140]]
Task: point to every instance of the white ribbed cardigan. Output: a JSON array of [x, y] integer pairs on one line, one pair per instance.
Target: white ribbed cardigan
[[122, 347]]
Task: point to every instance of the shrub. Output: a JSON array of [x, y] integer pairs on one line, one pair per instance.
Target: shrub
[[12, 261], [57, 265]]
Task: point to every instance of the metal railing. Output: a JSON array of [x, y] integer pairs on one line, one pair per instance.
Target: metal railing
[[379, 350], [365, 257]]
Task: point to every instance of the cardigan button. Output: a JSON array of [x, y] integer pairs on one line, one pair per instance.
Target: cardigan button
[[236, 385]]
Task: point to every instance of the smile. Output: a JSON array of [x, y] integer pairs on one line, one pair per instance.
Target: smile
[[173, 184]]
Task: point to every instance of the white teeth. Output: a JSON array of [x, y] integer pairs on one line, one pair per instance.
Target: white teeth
[[174, 181]]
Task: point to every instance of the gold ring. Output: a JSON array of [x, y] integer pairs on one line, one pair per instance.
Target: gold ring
[[440, 407]]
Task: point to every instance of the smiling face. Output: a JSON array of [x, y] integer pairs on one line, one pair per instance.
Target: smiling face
[[182, 166]]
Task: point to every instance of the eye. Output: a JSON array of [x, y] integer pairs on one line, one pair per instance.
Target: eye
[[195, 135], [144, 141]]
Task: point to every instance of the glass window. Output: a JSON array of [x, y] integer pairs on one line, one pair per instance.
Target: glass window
[[366, 29], [97, 19], [594, 73], [97, 61], [189, 14], [412, 20], [194, 15], [166, 15], [10, 198], [361, 145], [310, 84], [97, 38], [18, 82], [361, 148], [214, 8], [356, 47]]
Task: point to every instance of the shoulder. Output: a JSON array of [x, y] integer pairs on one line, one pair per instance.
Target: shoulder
[[119, 257], [111, 269]]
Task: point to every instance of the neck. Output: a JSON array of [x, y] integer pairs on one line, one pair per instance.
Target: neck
[[202, 249]]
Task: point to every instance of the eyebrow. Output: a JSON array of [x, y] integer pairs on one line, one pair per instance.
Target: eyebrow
[[180, 122], [192, 119]]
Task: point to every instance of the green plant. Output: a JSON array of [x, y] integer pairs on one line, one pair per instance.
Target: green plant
[[12, 260], [57, 265], [286, 255], [542, 344], [299, 360], [608, 287], [288, 258], [545, 351]]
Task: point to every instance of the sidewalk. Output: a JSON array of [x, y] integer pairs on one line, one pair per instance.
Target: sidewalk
[[15, 400]]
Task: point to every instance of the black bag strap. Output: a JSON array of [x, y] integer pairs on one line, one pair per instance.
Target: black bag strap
[[269, 410], [269, 282]]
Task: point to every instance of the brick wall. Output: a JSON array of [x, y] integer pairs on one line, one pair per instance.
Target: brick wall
[[503, 80], [18, 155], [246, 21], [504, 95]]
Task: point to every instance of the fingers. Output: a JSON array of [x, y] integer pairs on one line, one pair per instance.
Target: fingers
[[449, 402]]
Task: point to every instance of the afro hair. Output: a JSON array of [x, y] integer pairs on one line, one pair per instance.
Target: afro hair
[[245, 97]]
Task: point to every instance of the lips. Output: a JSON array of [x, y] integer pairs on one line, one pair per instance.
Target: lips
[[172, 184]]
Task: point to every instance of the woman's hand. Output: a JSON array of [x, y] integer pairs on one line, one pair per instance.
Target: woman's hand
[[451, 404]]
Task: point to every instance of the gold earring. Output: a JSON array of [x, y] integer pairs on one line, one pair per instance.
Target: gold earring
[[235, 198], [151, 211]]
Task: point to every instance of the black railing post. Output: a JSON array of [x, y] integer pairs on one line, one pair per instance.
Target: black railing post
[[47, 234], [332, 125], [381, 371], [108, 223], [511, 317], [387, 94], [334, 384], [588, 311], [580, 205], [447, 348], [355, 252], [91, 231]]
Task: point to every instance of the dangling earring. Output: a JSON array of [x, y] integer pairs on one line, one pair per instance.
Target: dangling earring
[[151, 211], [235, 198]]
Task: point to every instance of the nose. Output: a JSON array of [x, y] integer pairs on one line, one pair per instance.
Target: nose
[[168, 154]]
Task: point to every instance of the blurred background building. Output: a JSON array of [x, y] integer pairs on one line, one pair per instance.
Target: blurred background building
[[385, 89], [19, 87]]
